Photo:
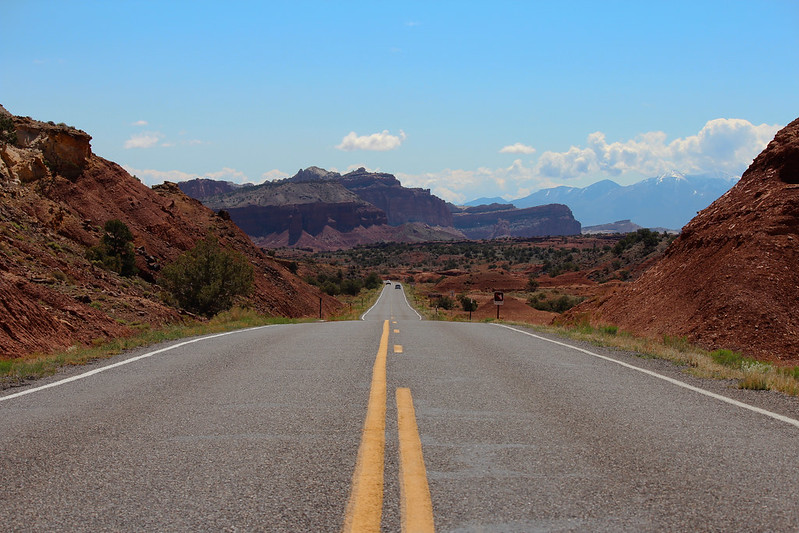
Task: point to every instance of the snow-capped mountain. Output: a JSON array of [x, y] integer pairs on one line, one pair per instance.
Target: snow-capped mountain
[[667, 201]]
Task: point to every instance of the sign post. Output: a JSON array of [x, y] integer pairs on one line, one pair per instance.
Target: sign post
[[499, 299]]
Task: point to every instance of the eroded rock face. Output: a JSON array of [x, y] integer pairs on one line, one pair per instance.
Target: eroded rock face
[[63, 150], [731, 279], [401, 204]]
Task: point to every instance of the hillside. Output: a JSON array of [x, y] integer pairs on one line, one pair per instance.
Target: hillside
[[731, 279], [56, 195]]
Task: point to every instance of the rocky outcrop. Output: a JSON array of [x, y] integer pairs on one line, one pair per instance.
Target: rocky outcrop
[[731, 279], [200, 188], [55, 195], [401, 204], [542, 221]]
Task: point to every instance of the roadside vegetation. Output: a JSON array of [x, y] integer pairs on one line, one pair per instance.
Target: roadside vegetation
[[19, 370], [721, 364]]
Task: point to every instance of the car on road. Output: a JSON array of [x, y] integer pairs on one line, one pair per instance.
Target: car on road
[[397, 286]]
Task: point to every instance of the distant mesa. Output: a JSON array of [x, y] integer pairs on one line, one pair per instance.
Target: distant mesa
[[324, 210]]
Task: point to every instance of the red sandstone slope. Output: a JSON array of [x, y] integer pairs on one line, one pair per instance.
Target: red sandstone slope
[[731, 279], [55, 195]]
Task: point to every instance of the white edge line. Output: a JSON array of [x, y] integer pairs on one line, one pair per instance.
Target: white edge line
[[409, 305], [363, 316], [120, 363], [673, 381]]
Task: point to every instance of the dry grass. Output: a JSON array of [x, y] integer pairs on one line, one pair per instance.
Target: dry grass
[[718, 364], [34, 366]]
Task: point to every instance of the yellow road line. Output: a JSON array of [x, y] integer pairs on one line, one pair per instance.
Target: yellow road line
[[396, 331], [365, 506], [417, 507], [398, 348]]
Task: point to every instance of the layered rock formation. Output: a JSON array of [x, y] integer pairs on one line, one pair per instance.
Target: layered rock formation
[[55, 195], [296, 208], [401, 204], [494, 221], [203, 187], [731, 279]]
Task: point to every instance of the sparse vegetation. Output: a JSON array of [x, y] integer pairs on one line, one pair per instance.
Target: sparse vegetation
[[8, 132], [554, 304], [207, 279]]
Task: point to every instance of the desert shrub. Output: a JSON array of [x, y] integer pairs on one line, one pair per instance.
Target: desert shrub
[[115, 251], [372, 281], [351, 286], [468, 304], [734, 359], [8, 132], [208, 278], [648, 237], [445, 302], [331, 287], [558, 304]]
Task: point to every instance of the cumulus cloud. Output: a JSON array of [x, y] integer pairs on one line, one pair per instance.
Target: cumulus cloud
[[378, 142], [139, 123], [517, 148], [726, 145], [155, 177], [273, 175], [459, 186], [147, 139]]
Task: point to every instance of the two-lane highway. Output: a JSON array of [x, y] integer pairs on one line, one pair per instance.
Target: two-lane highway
[[264, 430]]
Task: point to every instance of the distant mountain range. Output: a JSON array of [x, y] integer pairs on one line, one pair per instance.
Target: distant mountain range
[[668, 201], [325, 210]]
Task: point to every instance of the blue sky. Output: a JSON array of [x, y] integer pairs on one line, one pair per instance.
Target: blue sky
[[466, 98]]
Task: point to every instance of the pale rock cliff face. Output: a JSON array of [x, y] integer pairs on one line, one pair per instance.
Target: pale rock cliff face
[[43, 150]]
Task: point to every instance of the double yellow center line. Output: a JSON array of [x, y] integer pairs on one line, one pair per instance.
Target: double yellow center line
[[365, 506]]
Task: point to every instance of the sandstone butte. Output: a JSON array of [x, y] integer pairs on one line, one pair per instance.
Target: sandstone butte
[[731, 279], [55, 196]]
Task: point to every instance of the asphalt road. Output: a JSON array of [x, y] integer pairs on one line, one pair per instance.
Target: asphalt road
[[261, 430]]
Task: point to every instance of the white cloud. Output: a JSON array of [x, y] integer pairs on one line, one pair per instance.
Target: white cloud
[[727, 145], [273, 175], [155, 177], [378, 142], [147, 139], [139, 123], [459, 186], [517, 148]]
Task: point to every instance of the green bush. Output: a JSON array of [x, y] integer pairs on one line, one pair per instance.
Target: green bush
[[208, 278], [115, 251], [732, 359], [445, 302], [8, 132], [553, 305]]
